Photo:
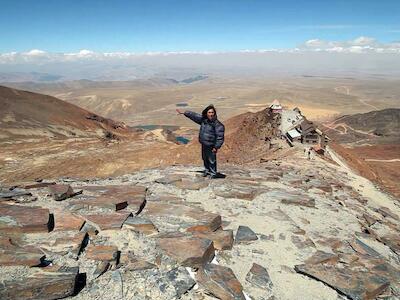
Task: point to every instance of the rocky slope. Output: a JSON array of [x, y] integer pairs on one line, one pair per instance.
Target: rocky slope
[[287, 229], [370, 143], [25, 115]]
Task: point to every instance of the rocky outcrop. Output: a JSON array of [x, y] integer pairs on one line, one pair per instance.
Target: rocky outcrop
[[300, 233]]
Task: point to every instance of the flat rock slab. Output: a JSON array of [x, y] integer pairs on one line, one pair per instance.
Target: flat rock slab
[[108, 221], [291, 197], [188, 251], [185, 217], [222, 239], [187, 184], [166, 198], [169, 179], [35, 185], [363, 277], [43, 285], [21, 256], [258, 275], [353, 284], [110, 203], [17, 192], [72, 244], [245, 235], [141, 225], [61, 191], [18, 218], [65, 221], [138, 264], [180, 279], [102, 252], [133, 195], [386, 212], [302, 241], [237, 191], [321, 257], [307, 202], [392, 241], [362, 248], [221, 282]]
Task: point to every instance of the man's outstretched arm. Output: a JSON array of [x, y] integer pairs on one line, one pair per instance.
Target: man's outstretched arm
[[195, 117]]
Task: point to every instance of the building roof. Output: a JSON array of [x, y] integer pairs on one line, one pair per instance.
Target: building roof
[[294, 133], [275, 104], [307, 126]]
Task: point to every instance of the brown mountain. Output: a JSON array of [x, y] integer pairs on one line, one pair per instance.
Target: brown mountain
[[379, 126], [370, 144], [30, 115]]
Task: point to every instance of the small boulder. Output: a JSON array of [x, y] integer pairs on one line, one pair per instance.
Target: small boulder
[[244, 235], [259, 276], [188, 251], [221, 282], [61, 191]]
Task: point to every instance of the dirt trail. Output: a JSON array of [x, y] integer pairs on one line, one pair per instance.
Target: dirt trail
[[383, 160], [364, 186]]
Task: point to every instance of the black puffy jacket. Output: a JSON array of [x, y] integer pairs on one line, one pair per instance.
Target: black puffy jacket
[[211, 132]]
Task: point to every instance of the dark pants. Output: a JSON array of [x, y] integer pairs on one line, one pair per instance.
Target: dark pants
[[209, 159]]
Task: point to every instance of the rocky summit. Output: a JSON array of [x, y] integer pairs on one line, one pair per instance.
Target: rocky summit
[[289, 228]]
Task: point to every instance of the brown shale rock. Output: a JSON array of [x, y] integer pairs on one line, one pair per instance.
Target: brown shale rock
[[108, 221], [111, 203], [102, 252], [301, 241], [258, 275], [61, 191], [41, 285], [71, 243], [222, 239], [220, 281], [141, 225], [386, 212], [169, 179], [183, 216], [21, 256], [237, 191], [35, 185], [321, 257], [132, 195], [245, 235], [392, 241], [138, 264], [362, 277], [27, 219], [65, 221], [166, 198], [8, 194], [188, 251]]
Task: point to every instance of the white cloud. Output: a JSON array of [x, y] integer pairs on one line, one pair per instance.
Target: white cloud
[[358, 45], [361, 44], [36, 52]]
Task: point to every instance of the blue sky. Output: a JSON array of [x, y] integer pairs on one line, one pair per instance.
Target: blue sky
[[170, 25]]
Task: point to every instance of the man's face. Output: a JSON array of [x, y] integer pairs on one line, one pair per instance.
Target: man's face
[[210, 114]]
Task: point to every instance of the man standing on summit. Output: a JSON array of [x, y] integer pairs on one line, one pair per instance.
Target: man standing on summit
[[211, 137]]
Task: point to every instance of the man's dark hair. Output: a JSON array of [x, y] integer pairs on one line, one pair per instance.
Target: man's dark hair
[[204, 112]]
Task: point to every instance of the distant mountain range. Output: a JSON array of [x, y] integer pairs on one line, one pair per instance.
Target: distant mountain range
[[28, 76]]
